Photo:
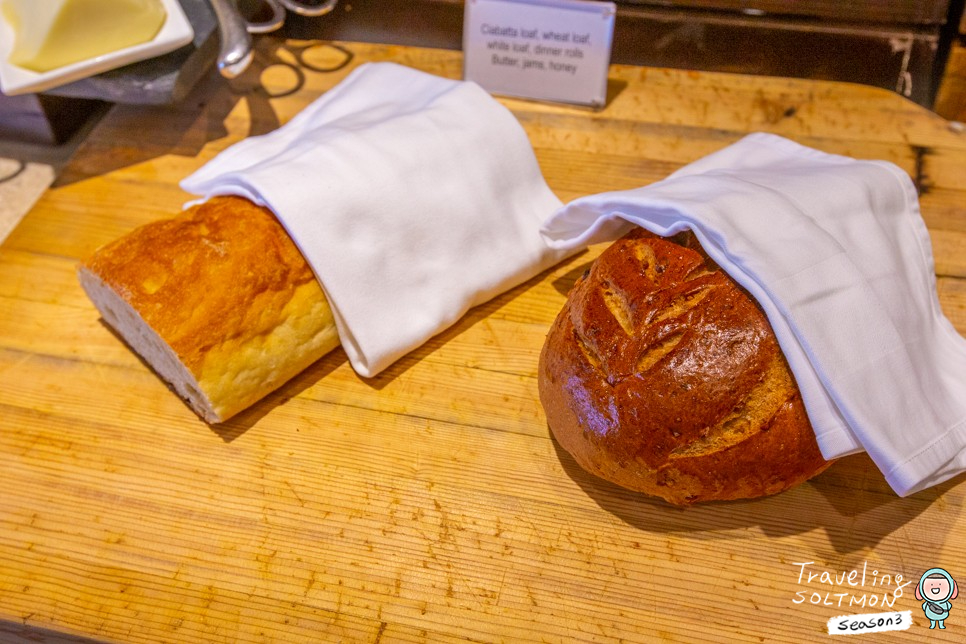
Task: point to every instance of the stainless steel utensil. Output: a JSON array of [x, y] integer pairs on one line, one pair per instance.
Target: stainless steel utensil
[[236, 52]]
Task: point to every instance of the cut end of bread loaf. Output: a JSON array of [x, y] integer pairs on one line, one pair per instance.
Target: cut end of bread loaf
[[662, 375], [144, 341], [218, 301]]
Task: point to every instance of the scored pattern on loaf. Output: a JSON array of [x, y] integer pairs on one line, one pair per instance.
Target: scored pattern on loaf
[[639, 315], [681, 304], [588, 352], [665, 301], [619, 308], [658, 350], [661, 375], [767, 397]]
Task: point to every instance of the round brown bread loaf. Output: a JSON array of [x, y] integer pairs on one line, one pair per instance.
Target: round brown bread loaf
[[662, 375]]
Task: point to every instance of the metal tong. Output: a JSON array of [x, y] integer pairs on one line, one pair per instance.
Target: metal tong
[[236, 51]]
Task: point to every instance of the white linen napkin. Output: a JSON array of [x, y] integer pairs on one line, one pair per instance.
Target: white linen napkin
[[412, 197], [837, 254]]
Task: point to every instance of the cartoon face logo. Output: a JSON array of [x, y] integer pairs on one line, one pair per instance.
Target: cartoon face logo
[[936, 590]]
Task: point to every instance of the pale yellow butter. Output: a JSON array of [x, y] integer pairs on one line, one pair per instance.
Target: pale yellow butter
[[53, 33]]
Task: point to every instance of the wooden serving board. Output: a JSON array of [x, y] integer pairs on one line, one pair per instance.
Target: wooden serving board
[[429, 503]]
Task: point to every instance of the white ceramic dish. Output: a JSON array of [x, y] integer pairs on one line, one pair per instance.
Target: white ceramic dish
[[175, 32]]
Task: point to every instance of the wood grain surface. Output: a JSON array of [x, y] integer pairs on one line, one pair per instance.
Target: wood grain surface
[[429, 503]]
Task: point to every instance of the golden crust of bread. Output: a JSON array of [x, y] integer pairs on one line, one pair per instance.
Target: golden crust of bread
[[662, 375], [225, 290]]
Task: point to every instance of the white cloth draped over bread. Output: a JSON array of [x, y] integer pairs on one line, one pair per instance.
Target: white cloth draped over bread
[[415, 197], [837, 254], [412, 197]]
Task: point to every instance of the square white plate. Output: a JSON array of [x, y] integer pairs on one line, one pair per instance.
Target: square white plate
[[175, 32]]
